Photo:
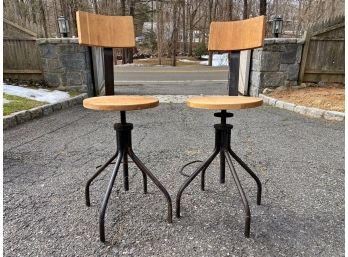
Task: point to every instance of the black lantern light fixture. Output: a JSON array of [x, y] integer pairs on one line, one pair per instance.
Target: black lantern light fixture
[[63, 26], [277, 26]]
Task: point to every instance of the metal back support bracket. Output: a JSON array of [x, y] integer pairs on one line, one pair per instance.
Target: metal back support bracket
[[109, 71], [233, 77]]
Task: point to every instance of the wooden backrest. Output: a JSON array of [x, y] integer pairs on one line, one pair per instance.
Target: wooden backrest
[[105, 31], [237, 35]]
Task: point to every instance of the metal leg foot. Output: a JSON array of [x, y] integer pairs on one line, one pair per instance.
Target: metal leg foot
[[251, 173], [202, 167], [107, 196], [88, 203], [145, 170], [125, 172], [241, 193]]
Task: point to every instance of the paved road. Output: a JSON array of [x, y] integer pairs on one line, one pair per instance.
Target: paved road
[[166, 80], [300, 162], [124, 74]]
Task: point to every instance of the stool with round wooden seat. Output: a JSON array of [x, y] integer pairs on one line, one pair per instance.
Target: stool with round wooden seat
[[124, 147], [222, 146], [230, 37]]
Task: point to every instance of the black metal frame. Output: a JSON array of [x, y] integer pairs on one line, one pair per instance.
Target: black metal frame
[[222, 147], [109, 71], [124, 149], [233, 76]]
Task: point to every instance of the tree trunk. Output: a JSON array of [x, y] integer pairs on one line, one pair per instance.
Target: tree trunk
[[210, 56], [56, 15], [190, 19], [175, 32], [263, 7], [74, 7], [203, 38], [123, 13], [131, 13], [190, 42], [245, 9], [95, 6], [184, 38], [230, 10], [43, 17], [159, 7]]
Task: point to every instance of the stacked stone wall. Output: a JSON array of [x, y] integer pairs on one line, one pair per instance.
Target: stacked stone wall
[[276, 64], [65, 63]]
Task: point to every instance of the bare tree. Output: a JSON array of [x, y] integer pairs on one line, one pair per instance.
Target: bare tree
[[210, 15], [160, 30], [184, 34], [189, 18], [230, 9], [174, 37], [131, 13], [245, 9], [263, 7], [43, 17], [95, 6]]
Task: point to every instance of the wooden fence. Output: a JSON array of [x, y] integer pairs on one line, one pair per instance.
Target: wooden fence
[[323, 52], [21, 58]]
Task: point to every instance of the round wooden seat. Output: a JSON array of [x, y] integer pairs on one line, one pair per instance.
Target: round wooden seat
[[120, 103], [224, 102]]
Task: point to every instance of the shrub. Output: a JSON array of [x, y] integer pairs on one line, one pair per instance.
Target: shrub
[[201, 49], [150, 40]]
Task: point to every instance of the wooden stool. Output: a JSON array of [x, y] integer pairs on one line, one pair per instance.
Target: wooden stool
[[124, 147], [222, 146]]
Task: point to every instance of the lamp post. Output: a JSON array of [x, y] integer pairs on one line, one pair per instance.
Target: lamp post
[[63, 26], [277, 26]]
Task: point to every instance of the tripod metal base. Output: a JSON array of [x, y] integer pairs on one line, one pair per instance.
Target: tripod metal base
[[124, 150], [222, 147]]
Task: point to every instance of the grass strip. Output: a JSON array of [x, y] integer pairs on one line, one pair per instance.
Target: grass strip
[[17, 104]]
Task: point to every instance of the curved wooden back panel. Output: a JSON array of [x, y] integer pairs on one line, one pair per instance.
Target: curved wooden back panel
[[237, 35], [105, 31]]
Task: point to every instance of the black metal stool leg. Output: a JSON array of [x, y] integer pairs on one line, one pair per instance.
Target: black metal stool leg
[[144, 181], [145, 170], [222, 167], [202, 167], [242, 195], [203, 179], [125, 172], [252, 174], [88, 203], [107, 196]]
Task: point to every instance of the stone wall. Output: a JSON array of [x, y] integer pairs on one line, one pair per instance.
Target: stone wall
[[276, 64], [65, 63]]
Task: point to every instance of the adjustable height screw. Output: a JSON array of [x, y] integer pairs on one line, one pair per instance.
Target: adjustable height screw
[[223, 115]]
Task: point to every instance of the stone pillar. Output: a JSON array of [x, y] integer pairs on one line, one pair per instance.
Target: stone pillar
[[276, 64], [66, 64]]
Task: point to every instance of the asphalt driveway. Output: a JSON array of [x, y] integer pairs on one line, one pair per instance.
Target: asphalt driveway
[[299, 160]]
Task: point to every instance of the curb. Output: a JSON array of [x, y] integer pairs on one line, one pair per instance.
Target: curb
[[307, 111], [16, 118]]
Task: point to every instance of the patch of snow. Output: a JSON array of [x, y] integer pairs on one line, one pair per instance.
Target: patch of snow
[[218, 60], [130, 64], [42, 95], [6, 101], [186, 60]]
